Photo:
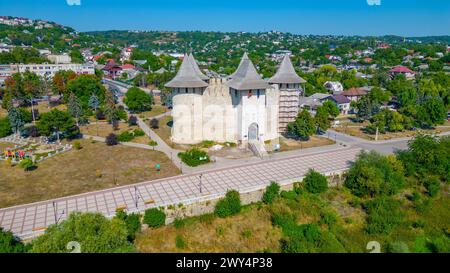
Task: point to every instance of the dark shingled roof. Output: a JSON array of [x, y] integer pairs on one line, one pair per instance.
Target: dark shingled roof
[[246, 77], [340, 99], [286, 73], [186, 77], [197, 69]]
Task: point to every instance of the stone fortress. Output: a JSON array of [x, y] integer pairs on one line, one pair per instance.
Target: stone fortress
[[242, 108]]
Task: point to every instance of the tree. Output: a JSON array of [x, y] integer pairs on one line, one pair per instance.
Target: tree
[[31, 85], [61, 79], [111, 140], [57, 121], [94, 102], [315, 182], [321, 119], [16, 119], [366, 108], [331, 108], [154, 123], [372, 175], [111, 112], [153, 144], [137, 100], [84, 86], [10, 243], [431, 112], [74, 107], [94, 232], [272, 192], [132, 120], [303, 127], [427, 155], [5, 127], [132, 222]]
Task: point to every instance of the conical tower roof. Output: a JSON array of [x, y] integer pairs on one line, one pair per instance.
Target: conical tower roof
[[246, 77], [286, 73], [196, 68], [241, 67], [186, 76]]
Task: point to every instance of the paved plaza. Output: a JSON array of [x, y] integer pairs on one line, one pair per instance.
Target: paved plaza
[[31, 219]]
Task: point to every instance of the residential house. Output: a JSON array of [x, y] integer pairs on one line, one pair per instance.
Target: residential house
[[409, 74], [342, 102], [334, 87], [354, 94], [312, 102]]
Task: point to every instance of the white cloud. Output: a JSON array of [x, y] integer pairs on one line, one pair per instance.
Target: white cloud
[[374, 2], [73, 2]]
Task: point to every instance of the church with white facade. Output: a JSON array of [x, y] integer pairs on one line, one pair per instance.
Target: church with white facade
[[242, 108]]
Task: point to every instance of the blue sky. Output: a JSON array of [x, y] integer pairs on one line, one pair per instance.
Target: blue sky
[[346, 17]]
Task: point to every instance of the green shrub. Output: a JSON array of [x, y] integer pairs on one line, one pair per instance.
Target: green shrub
[[383, 215], [246, 233], [10, 243], [303, 239], [132, 223], [422, 205], [433, 186], [179, 242], [111, 140], [207, 144], [284, 220], [373, 174], [94, 232], [27, 164], [272, 192], [230, 205], [315, 182], [154, 218], [138, 133], [179, 223], [5, 127], [328, 218], [125, 137], [289, 195], [398, 247], [194, 157], [77, 145]]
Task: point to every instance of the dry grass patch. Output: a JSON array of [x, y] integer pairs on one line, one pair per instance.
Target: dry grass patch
[[358, 132], [292, 144], [104, 129], [156, 111], [96, 166], [250, 231], [3, 112]]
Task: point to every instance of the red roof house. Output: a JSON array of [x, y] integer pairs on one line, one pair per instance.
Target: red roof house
[[401, 69]]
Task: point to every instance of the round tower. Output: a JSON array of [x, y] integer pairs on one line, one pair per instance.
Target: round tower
[[187, 99]]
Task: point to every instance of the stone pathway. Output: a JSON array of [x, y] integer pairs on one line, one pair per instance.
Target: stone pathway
[[30, 220]]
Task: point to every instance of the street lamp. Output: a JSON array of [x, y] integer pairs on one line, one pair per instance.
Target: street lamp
[[200, 185]]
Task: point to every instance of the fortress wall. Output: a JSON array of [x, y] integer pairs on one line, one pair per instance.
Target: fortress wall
[[219, 123]]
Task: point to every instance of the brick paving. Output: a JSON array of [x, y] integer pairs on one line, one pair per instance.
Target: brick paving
[[31, 219]]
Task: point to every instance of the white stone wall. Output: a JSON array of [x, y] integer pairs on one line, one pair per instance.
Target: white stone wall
[[217, 114]]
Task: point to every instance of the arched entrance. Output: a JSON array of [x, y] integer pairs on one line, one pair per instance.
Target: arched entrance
[[253, 131]]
